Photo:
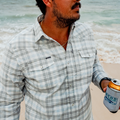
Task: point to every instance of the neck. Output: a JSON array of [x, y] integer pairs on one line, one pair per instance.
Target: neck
[[59, 34]]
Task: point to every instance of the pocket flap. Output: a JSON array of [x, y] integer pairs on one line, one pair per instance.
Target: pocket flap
[[86, 54], [48, 61]]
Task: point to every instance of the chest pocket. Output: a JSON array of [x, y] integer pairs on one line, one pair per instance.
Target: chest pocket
[[86, 63], [87, 58], [41, 73]]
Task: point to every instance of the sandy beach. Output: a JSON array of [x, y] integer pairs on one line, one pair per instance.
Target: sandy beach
[[100, 112]]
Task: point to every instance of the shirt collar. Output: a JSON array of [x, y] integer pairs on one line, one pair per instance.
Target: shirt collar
[[38, 30]]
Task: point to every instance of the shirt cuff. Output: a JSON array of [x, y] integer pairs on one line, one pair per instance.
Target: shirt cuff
[[105, 78]]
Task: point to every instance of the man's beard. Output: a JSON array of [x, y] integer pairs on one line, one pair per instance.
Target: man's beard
[[62, 21]]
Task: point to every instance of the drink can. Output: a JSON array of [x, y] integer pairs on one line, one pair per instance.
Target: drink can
[[112, 96]]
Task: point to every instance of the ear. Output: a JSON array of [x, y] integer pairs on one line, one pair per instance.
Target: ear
[[47, 3]]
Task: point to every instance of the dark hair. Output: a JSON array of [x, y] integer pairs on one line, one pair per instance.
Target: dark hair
[[41, 6]]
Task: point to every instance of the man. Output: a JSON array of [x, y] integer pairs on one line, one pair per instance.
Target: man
[[51, 66]]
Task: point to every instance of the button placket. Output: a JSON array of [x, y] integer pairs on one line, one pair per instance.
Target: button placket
[[68, 100], [72, 99], [69, 86]]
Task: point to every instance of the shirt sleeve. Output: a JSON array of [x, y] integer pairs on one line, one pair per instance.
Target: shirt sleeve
[[11, 87], [98, 72]]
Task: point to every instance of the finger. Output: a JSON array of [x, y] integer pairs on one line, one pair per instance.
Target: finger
[[104, 89]]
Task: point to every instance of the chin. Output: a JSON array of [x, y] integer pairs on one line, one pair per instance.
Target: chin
[[77, 17]]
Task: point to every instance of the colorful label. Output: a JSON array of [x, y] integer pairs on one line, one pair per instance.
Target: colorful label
[[112, 100]]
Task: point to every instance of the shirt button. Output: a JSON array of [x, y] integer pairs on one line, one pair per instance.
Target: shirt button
[[41, 67], [72, 104]]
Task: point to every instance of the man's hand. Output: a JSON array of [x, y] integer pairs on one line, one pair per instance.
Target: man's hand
[[104, 84]]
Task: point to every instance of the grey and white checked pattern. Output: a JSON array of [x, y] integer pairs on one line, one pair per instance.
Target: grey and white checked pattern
[[55, 82]]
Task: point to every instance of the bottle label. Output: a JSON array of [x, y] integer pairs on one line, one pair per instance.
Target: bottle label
[[112, 100]]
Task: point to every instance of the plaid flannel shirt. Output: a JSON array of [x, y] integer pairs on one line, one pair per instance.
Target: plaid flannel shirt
[[53, 82]]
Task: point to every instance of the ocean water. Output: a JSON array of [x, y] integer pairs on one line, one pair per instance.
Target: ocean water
[[103, 17]]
